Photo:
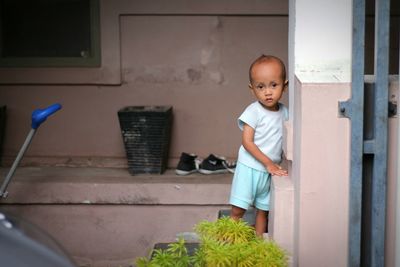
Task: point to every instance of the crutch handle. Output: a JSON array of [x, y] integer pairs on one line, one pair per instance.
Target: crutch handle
[[40, 115]]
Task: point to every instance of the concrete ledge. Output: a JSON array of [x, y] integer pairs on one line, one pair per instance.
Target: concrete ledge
[[282, 212], [63, 185]]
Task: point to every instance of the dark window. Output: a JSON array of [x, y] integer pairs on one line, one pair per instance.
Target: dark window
[[47, 33]]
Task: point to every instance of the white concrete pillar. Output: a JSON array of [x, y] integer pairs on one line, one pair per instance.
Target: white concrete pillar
[[319, 77], [317, 141]]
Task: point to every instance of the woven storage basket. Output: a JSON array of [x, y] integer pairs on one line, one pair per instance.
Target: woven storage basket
[[146, 132]]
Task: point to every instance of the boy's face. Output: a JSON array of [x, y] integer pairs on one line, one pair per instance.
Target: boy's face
[[267, 84]]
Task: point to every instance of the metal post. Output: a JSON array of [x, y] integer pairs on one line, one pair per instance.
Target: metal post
[[374, 225], [379, 174], [3, 189], [354, 109], [397, 204]]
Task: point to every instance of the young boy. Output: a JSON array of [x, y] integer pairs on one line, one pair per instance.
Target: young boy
[[260, 153]]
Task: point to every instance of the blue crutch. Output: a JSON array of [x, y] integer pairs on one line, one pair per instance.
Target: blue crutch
[[38, 117]]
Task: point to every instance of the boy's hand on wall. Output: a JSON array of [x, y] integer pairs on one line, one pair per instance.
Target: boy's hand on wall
[[275, 169]]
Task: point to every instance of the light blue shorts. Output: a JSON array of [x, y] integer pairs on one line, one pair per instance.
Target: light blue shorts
[[250, 187]]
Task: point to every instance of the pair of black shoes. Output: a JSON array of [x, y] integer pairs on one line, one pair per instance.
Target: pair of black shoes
[[190, 163]]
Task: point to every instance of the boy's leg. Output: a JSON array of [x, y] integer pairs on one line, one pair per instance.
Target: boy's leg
[[237, 213], [261, 221], [242, 194], [262, 200]]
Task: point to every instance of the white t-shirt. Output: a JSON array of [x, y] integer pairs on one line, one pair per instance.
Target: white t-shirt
[[267, 135]]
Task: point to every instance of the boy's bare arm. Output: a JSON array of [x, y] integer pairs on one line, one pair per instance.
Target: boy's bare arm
[[252, 148]]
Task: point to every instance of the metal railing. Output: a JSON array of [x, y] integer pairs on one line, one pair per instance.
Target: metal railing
[[367, 231]]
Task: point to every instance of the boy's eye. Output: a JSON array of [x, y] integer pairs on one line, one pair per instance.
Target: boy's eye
[[260, 87], [273, 85]]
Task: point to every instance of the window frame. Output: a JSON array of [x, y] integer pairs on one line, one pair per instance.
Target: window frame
[[93, 60]]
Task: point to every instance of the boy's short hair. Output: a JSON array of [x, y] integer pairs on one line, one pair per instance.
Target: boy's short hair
[[268, 58]]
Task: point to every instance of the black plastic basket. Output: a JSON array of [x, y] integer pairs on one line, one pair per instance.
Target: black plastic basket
[[146, 132]]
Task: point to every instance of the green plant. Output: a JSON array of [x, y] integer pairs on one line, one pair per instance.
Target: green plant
[[175, 256], [223, 243], [226, 231]]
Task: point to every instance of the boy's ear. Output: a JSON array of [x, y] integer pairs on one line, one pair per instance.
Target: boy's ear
[[251, 89], [286, 84]]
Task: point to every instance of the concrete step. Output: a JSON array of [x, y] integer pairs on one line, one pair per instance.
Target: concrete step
[[62, 185]]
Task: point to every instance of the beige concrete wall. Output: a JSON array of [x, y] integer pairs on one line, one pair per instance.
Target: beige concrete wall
[[320, 172], [152, 54], [281, 219], [106, 218], [113, 235]]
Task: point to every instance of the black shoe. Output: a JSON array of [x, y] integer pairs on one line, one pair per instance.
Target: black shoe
[[215, 164], [188, 164]]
